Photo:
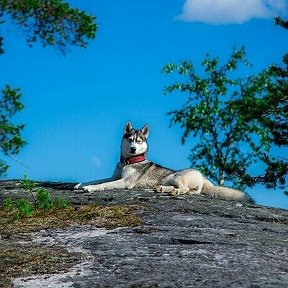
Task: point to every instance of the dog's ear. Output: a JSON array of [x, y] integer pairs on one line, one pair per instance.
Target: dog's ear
[[128, 127], [145, 131]]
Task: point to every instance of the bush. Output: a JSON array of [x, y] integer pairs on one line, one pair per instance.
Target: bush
[[24, 207], [42, 200]]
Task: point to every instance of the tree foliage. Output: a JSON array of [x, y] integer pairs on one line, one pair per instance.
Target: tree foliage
[[52, 23], [270, 111], [227, 144], [10, 134]]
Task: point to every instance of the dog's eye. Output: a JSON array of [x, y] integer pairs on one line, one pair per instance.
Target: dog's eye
[[129, 140], [139, 141]]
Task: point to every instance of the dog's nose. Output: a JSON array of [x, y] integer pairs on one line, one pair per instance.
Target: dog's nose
[[133, 149]]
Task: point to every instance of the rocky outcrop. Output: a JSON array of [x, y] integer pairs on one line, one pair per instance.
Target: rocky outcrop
[[187, 241]]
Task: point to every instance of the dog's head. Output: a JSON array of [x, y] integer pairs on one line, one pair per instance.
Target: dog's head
[[134, 142]]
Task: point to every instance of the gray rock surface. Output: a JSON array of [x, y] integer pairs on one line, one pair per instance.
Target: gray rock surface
[[187, 241]]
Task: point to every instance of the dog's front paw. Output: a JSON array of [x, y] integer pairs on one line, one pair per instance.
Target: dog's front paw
[[78, 186]]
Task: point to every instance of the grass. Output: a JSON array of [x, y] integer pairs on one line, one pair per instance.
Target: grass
[[107, 217], [19, 218], [20, 260]]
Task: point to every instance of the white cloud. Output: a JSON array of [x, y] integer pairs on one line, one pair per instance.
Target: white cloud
[[231, 11]]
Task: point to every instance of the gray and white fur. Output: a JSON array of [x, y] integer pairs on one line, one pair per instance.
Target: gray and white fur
[[134, 171]]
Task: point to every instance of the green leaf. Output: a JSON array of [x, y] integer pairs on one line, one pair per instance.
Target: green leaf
[[225, 115]]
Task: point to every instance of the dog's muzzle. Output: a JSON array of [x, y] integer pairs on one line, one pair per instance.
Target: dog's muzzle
[[132, 149]]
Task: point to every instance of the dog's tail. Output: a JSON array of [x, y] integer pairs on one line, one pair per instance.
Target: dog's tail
[[224, 192]]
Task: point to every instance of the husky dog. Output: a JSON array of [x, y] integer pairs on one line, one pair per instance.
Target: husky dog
[[134, 171]]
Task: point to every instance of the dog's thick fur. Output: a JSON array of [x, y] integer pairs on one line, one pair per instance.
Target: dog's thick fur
[[134, 171]]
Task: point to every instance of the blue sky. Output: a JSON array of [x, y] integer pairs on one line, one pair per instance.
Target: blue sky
[[76, 105]]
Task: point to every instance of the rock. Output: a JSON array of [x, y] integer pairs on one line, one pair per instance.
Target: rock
[[187, 241]]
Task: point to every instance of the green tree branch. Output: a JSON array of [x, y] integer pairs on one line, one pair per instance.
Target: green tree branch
[[229, 145], [53, 23]]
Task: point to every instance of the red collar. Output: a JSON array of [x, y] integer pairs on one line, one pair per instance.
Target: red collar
[[133, 159]]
